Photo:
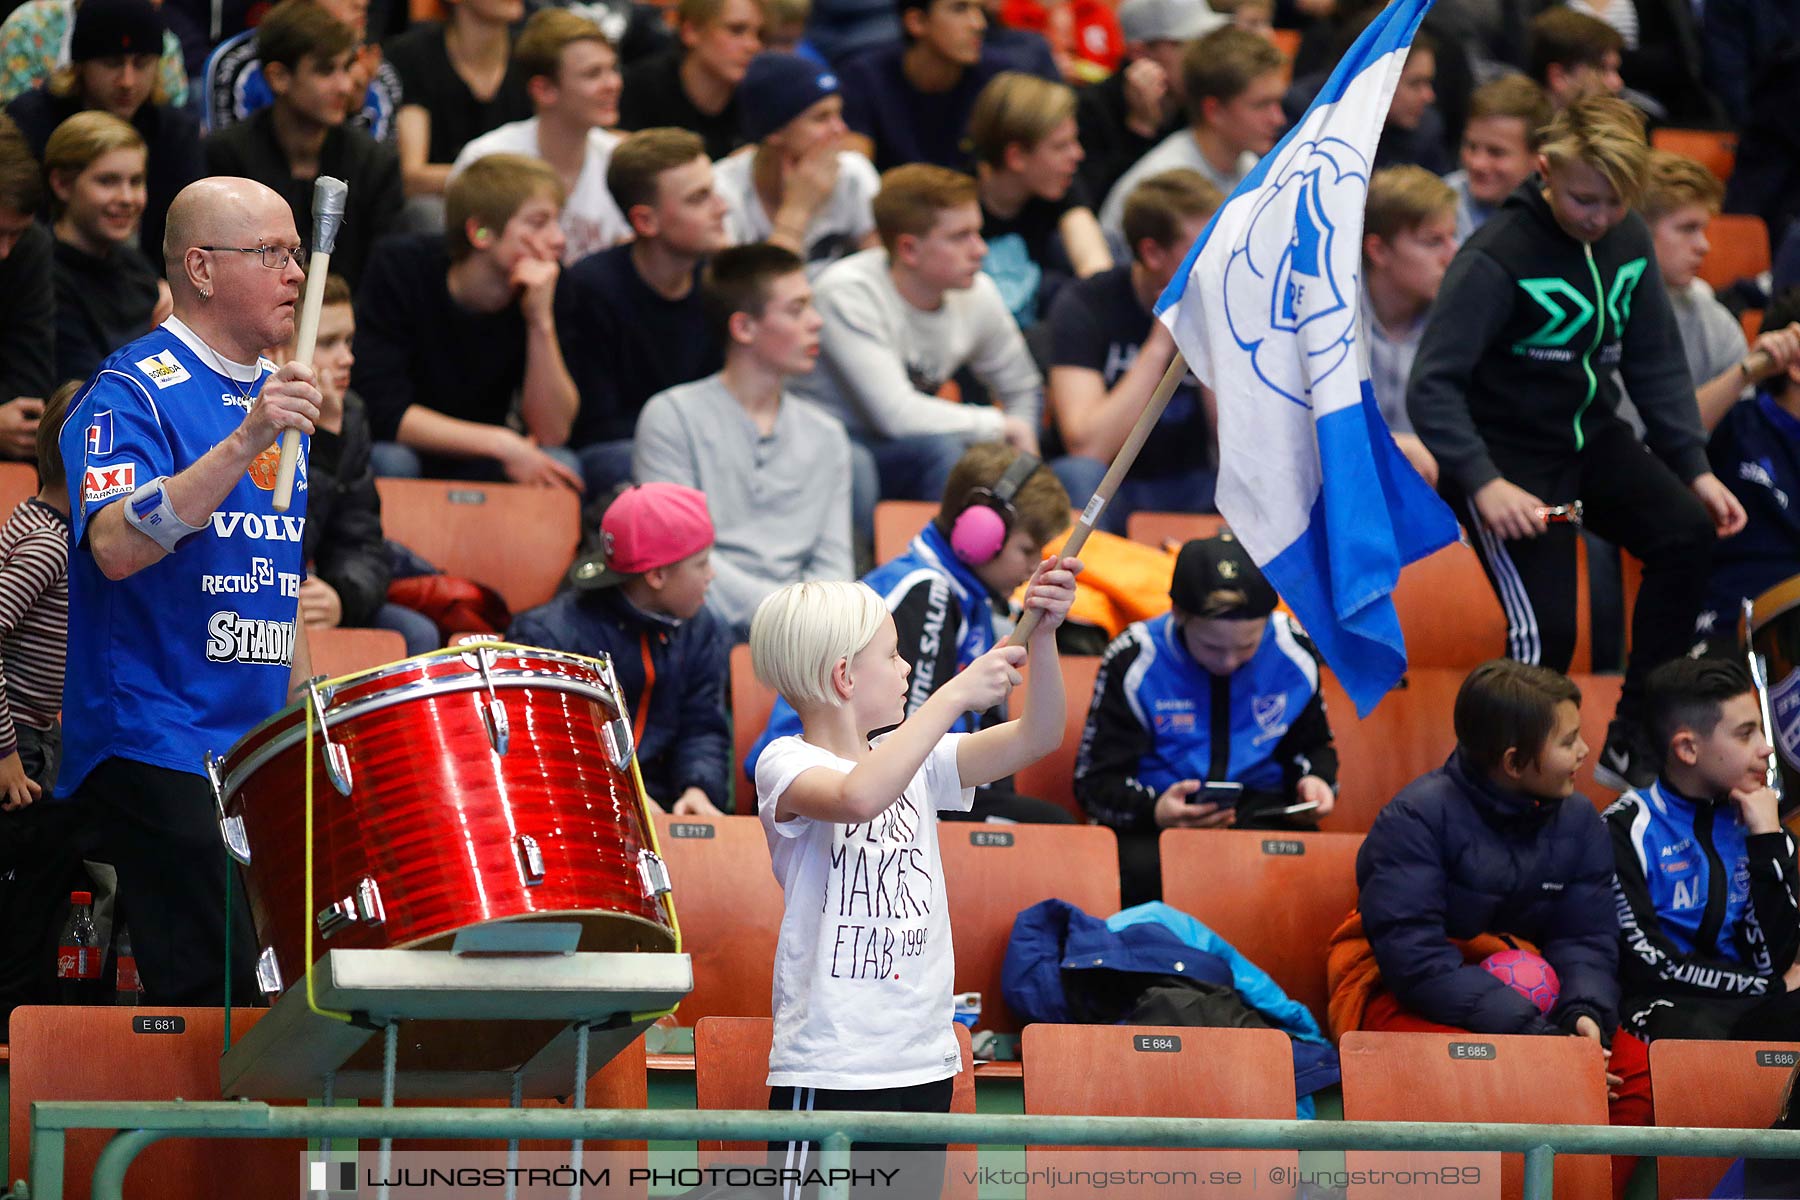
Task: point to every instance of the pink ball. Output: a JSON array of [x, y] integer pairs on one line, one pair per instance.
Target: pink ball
[[1526, 974]]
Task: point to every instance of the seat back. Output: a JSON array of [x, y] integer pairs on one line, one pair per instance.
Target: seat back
[[1448, 613], [1469, 1077], [730, 909], [517, 540], [18, 483], [343, 651], [751, 704], [1276, 897], [1408, 733], [1052, 777], [1713, 1085], [1714, 149], [897, 522], [1150, 1071], [994, 872], [1599, 698], [1740, 249], [70, 1053], [1165, 529]]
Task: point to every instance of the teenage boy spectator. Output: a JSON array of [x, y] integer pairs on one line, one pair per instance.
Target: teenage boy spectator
[[572, 73], [347, 558], [1512, 393], [695, 87], [784, 29], [110, 70], [451, 327], [457, 81], [801, 187], [774, 467], [1233, 84], [912, 101], [1499, 148], [1409, 238], [1414, 132], [948, 610], [306, 58], [1035, 218], [234, 86], [1495, 844], [36, 43], [902, 320], [642, 603], [1140, 774], [1705, 876], [631, 316], [107, 293], [1125, 115], [1575, 55], [1107, 352], [27, 300]]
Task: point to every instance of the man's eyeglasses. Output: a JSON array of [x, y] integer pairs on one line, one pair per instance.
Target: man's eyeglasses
[[276, 258]]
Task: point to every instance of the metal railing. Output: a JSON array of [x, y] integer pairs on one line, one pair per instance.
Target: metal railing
[[142, 1124]]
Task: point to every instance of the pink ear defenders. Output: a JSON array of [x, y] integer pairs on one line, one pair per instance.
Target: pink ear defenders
[[982, 528]]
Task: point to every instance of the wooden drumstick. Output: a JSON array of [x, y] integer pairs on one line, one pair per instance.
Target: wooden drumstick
[[1115, 474], [328, 214]]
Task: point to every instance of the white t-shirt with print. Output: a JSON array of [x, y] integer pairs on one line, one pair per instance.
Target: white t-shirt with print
[[591, 220], [836, 231], [863, 992]]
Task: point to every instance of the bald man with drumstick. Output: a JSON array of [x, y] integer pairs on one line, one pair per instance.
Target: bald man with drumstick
[[183, 577]]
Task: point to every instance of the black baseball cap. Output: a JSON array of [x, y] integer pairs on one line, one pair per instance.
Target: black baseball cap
[[1220, 563]]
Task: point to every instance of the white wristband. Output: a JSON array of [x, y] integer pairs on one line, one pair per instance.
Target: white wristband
[[148, 511]]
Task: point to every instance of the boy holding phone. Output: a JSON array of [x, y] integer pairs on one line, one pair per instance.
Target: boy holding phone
[[1206, 717]]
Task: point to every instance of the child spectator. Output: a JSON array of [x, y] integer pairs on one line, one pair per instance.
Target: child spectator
[[1107, 353], [1499, 148], [1035, 218], [36, 43], [912, 101], [695, 87], [642, 602], [1409, 238], [1233, 82], [631, 316], [1705, 875], [800, 188], [952, 607], [348, 569], [306, 58], [1238, 735], [39, 841], [457, 81], [234, 86], [572, 74], [1124, 116], [1493, 850], [107, 293], [775, 468], [110, 69], [1574, 55], [451, 327], [1679, 200], [900, 321], [857, 1029], [1512, 393], [27, 301]]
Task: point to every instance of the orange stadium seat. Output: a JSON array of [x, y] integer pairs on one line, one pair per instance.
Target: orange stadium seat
[[1745, 1083], [751, 704], [994, 872], [1146, 1071], [343, 651], [1277, 897], [1714, 149], [1408, 734], [1599, 697], [1740, 249], [18, 483], [1499, 1079], [1751, 322], [1163, 529], [73, 1053], [1448, 613], [517, 540], [730, 910], [1052, 777], [897, 522]]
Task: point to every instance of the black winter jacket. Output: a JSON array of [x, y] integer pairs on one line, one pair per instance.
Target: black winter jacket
[[343, 517]]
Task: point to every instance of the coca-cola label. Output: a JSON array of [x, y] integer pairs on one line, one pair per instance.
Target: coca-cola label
[[128, 976], [78, 962]]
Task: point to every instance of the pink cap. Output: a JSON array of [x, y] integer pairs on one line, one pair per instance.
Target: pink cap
[[650, 525]]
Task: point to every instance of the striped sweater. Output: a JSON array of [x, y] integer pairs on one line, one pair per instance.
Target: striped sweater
[[34, 618]]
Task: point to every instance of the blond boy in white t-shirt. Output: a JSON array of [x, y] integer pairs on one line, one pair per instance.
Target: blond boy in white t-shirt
[[863, 966]]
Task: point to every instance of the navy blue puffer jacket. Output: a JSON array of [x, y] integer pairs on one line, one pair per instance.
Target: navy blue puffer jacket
[[1453, 856]]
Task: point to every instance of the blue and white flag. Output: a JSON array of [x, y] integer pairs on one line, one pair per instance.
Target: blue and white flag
[[1265, 310]]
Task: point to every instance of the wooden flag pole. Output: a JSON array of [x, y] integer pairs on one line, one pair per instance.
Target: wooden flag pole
[[1115, 474]]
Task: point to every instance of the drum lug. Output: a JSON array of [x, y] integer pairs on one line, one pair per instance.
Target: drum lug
[[651, 871], [231, 829], [361, 907], [337, 758], [268, 972], [493, 716], [616, 734], [531, 859]]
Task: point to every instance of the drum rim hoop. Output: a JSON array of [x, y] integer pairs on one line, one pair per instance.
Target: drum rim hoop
[[1778, 600]]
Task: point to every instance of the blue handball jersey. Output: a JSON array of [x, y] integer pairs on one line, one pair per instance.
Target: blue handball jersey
[[184, 657]]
